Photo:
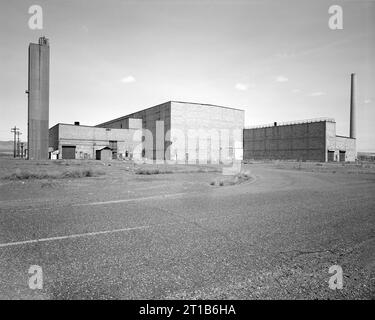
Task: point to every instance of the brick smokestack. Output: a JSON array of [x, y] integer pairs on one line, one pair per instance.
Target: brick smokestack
[[352, 107]]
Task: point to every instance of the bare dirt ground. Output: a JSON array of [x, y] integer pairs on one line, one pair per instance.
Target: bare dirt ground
[[123, 233]]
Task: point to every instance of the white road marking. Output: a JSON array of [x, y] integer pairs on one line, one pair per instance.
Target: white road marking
[[80, 235], [162, 196], [131, 199]]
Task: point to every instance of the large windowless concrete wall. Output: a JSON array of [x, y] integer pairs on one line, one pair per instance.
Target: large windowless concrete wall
[[147, 118], [38, 100], [205, 133], [304, 141]]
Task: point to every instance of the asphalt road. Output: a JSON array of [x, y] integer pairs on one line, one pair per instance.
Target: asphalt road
[[177, 237]]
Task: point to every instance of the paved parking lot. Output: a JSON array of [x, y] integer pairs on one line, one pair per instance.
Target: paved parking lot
[[176, 236]]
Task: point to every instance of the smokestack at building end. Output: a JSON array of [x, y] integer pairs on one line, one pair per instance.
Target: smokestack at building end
[[352, 107]]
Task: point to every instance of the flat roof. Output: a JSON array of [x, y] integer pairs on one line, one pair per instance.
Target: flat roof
[[290, 123], [130, 114], [346, 137], [158, 105], [80, 125], [208, 105]]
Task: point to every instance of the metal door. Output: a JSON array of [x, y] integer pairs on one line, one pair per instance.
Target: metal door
[[68, 152]]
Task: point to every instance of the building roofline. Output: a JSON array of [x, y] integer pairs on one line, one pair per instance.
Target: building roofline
[[346, 137], [290, 123], [71, 124], [104, 148], [158, 105], [207, 104], [74, 125], [130, 114], [54, 126]]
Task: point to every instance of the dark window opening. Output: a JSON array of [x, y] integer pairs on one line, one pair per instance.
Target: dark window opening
[[331, 156], [342, 156]]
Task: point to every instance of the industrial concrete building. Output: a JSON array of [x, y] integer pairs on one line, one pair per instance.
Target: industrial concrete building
[[313, 140], [192, 133], [74, 141], [38, 100], [178, 131], [202, 133], [186, 132]]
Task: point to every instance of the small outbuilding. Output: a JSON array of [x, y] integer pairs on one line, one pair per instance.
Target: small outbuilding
[[104, 154]]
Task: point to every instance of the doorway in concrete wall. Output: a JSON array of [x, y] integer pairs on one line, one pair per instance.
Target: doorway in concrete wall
[[113, 146], [342, 156], [68, 152], [331, 156]]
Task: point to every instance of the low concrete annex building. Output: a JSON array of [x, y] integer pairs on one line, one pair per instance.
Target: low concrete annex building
[[81, 142], [313, 140]]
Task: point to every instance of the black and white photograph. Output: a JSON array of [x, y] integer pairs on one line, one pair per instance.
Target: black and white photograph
[[187, 154]]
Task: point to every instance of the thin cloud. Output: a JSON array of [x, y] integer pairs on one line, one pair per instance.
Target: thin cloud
[[281, 79], [296, 91], [242, 86], [128, 79], [317, 94], [285, 55]]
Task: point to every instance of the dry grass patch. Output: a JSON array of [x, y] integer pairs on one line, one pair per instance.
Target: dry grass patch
[[25, 174], [168, 169], [149, 171], [232, 180]]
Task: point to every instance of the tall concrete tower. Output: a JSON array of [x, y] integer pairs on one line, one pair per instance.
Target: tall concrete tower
[[38, 100], [352, 107]]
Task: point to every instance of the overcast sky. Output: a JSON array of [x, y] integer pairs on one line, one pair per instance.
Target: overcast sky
[[277, 60]]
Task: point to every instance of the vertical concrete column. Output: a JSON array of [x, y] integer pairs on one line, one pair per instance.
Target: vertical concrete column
[[159, 142], [38, 100]]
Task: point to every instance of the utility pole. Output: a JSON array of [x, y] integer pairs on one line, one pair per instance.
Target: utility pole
[[22, 150], [18, 143], [14, 130]]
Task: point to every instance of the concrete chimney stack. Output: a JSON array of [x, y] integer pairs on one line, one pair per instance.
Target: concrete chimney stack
[[352, 107], [38, 100]]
